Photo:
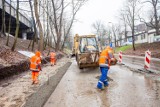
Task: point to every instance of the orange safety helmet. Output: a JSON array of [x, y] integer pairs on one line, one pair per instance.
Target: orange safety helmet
[[108, 48], [38, 53], [52, 55]]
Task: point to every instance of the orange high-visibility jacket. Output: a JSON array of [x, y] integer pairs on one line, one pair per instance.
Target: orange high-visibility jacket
[[52, 55], [105, 56], [34, 63], [38, 54]]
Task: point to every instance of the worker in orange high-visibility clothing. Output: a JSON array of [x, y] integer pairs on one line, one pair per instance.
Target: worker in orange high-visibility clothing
[[53, 58], [105, 59], [35, 67]]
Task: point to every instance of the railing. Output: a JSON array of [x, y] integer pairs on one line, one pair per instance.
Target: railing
[[22, 17]]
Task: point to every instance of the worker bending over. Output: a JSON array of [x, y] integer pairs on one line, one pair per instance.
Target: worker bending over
[[35, 67], [53, 58], [105, 59]]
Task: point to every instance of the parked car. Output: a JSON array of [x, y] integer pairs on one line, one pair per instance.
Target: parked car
[[156, 38], [126, 43]]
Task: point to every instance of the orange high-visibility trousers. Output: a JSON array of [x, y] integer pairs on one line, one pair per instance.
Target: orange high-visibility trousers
[[35, 75], [53, 61]]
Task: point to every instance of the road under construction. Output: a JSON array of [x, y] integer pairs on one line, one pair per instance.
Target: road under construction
[[72, 81], [65, 85]]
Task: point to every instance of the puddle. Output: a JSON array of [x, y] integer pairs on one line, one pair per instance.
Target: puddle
[[133, 89]]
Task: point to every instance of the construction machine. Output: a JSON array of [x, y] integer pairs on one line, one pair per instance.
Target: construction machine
[[86, 51]]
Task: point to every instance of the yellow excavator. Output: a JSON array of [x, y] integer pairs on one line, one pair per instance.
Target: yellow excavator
[[86, 50]]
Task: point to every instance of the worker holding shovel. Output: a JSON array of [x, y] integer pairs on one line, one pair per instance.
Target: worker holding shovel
[[105, 60]]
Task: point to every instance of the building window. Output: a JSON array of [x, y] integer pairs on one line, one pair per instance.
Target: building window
[[142, 36], [136, 38]]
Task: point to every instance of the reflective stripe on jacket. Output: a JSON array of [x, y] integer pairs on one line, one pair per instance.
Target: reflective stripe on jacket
[[34, 63], [105, 56], [52, 55]]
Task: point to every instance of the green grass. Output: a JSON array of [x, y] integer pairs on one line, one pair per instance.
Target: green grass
[[123, 48]]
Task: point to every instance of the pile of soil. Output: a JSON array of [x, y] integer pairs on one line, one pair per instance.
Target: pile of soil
[[141, 48], [10, 57], [12, 62]]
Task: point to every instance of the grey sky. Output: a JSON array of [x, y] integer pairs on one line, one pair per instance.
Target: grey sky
[[93, 10]]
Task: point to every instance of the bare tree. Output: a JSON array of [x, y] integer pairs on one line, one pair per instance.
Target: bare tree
[[34, 25], [123, 18], [97, 26], [67, 25], [101, 30], [58, 22], [39, 25], [154, 18], [119, 35], [9, 28], [132, 10], [17, 27], [115, 31], [3, 27]]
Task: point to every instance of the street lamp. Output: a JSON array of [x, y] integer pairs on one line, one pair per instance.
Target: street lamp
[[110, 40]]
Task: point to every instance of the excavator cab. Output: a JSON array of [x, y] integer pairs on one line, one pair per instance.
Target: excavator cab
[[86, 50]]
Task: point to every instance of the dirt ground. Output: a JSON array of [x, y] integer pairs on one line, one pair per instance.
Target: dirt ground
[[14, 91], [8, 57]]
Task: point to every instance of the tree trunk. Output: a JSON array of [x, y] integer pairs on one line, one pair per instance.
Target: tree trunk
[[115, 42], [39, 25], [156, 17], [29, 44], [3, 28], [34, 26], [133, 40], [9, 28], [114, 29], [125, 33], [17, 26]]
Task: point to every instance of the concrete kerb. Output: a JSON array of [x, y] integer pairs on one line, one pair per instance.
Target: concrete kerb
[[39, 98]]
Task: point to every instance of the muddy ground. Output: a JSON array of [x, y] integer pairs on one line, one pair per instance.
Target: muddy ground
[[127, 89], [16, 90]]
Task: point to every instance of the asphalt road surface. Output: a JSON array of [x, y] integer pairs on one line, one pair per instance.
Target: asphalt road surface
[[138, 62], [128, 89]]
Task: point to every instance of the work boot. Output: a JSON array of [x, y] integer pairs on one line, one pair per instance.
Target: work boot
[[36, 82], [33, 82], [99, 86], [105, 83]]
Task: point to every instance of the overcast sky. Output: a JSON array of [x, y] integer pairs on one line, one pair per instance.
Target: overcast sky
[[93, 10]]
